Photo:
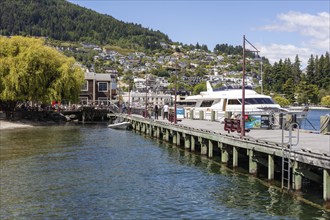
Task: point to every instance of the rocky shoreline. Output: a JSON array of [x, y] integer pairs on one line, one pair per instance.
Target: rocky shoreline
[[28, 119]]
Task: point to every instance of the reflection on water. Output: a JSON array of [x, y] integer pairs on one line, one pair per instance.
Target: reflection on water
[[92, 172]]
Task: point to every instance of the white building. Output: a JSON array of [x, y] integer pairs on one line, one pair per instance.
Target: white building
[[138, 99]]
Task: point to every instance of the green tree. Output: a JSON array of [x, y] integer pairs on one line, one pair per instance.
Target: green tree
[[199, 88], [296, 72], [281, 101], [32, 71], [325, 101], [199, 71], [310, 70], [323, 71], [324, 92], [307, 93], [128, 78], [289, 89]]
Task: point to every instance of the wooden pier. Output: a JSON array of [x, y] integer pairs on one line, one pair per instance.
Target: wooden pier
[[287, 156]]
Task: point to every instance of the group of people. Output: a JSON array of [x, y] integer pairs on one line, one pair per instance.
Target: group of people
[[156, 109], [165, 111]]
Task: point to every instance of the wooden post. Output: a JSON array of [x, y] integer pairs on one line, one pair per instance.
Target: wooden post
[[192, 144], [178, 139], [224, 153], [174, 138], [187, 139], [203, 146], [235, 156], [158, 132], [271, 167], [83, 116], [297, 177], [326, 185], [252, 164], [167, 135], [210, 149]]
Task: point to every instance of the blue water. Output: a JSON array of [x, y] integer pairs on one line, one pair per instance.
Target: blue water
[[313, 119], [93, 172]]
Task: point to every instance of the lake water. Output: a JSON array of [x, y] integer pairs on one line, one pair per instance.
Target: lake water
[[313, 119], [93, 172]]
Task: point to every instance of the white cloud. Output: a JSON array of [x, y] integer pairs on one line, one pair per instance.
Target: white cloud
[[275, 52], [314, 26], [315, 29]]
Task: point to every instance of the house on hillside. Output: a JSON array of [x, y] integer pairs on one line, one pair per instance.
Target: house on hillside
[[99, 88]]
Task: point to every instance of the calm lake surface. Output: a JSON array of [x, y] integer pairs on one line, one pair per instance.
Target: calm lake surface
[[313, 119], [93, 172]]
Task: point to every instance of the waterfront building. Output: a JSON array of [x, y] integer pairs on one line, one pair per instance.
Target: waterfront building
[[138, 99], [99, 88]]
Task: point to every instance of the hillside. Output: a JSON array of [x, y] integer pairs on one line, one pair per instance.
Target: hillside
[[61, 20]]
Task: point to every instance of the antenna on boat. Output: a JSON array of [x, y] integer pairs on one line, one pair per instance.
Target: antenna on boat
[[209, 87]]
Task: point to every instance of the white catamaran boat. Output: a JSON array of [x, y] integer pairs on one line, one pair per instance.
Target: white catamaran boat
[[229, 101]]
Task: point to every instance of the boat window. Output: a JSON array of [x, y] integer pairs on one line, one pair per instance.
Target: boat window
[[206, 103], [184, 103], [233, 102], [255, 101]]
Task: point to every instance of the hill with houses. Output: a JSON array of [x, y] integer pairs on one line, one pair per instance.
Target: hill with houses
[[142, 59], [187, 66], [103, 44]]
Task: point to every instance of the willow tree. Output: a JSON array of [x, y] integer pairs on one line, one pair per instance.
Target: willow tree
[[32, 71]]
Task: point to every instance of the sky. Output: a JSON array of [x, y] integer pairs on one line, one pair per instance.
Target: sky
[[279, 29]]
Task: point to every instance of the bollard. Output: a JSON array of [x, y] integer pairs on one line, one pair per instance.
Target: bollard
[[213, 116], [191, 114], [281, 121], [201, 115]]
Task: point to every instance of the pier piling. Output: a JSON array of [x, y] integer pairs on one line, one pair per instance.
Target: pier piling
[[262, 152]]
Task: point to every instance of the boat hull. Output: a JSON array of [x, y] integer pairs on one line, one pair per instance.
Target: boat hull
[[121, 125]]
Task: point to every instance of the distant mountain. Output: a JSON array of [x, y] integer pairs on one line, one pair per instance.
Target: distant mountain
[[62, 20]]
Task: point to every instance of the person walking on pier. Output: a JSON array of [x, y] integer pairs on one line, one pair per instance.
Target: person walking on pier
[[156, 111], [165, 109], [123, 107]]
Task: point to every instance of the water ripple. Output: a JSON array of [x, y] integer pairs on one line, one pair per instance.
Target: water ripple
[[92, 172]]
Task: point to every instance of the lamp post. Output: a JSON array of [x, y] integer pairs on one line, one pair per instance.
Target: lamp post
[[262, 81], [243, 93], [243, 85]]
